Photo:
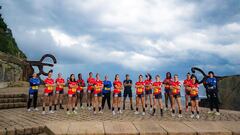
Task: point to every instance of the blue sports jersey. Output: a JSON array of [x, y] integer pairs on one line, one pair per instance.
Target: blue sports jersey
[[106, 86], [211, 83], [33, 82]]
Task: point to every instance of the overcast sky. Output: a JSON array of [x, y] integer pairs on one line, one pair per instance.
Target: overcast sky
[[129, 36]]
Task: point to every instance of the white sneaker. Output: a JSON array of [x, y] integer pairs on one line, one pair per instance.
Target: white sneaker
[[101, 112], [173, 114], [197, 116], [89, 109], [217, 113], [113, 112], [29, 110], [165, 109], [43, 112], [192, 116], [94, 112], [82, 107], [143, 113], [210, 112], [68, 112], [120, 111], [36, 109], [180, 116], [136, 112], [76, 108], [51, 111], [74, 112]]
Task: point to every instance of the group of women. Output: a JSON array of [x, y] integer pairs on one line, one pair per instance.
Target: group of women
[[98, 91]]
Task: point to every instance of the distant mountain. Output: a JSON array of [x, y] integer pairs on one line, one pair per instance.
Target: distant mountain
[[7, 41]]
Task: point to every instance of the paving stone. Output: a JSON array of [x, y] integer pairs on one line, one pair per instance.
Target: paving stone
[[27, 130], [86, 128], [176, 128], [10, 131], [118, 128], [233, 126], [57, 128], [149, 128], [208, 127], [19, 130]]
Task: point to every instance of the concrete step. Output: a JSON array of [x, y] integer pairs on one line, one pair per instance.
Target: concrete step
[[12, 100], [3, 95], [12, 105]]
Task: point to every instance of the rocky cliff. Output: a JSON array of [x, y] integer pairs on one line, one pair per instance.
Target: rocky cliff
[[229, 92]]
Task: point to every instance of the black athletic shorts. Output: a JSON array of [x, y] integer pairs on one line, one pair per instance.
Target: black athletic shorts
[[117, 95], [147, 92], [127, 93], [158, 96]]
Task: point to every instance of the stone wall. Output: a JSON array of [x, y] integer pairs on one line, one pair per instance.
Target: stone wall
[[13, 69]]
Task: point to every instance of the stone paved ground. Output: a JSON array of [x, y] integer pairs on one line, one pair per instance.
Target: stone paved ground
[[22, 122]]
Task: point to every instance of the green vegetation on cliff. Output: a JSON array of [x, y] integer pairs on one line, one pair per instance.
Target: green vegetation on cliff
[[7, 42]]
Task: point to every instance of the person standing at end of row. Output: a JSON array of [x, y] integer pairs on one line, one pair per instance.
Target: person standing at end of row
[[106, 92], [140, 94], [127, 91], [33, 92], [148, 91], [80, 91]]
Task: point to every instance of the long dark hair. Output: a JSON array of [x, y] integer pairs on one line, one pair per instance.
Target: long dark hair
[[170, 75], [139, 76], [80, 76], [70, 78], [149, 75], [194, 76], [116, 76]]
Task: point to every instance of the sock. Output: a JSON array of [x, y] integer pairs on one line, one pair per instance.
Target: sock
[[173, 111], [161, 110], [80, 104], [90, 104], [145, 105], [154, 110], [143, 109], [55, 107], [197, 112], [87, 105], [43, 108], [50, 108], [166, 105], [137, 109], [180, 111], [112, 108], [73, 108], [118, 108], [186, 106], [151, 106], [94, 109], [99, 108], [67, 109], [192, 112]]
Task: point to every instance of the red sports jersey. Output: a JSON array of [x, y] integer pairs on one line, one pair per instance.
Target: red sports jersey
[[147, 83], [167, 83], [48, 81], [139, 90], [72, 87], [175, 91], [194, 91], [98, 86], [59, 87], [81, 84], [90, 82], [187, 83], [157, 87], [117, 87]]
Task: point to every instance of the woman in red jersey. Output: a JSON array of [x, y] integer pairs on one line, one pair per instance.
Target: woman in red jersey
[[48, 93], [98, 85], [157, 92], [117, 94], [194, 87], [187, 84], [80, 91], [140, 94], [176, 96], [90, 89], [148, 91], [72, 94], [59, 91], [167, 83]]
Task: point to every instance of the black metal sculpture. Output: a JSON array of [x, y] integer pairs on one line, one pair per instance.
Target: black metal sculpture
[[40, 64]]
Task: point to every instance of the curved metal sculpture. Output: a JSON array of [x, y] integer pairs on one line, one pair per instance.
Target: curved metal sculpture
[[40, 64]]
